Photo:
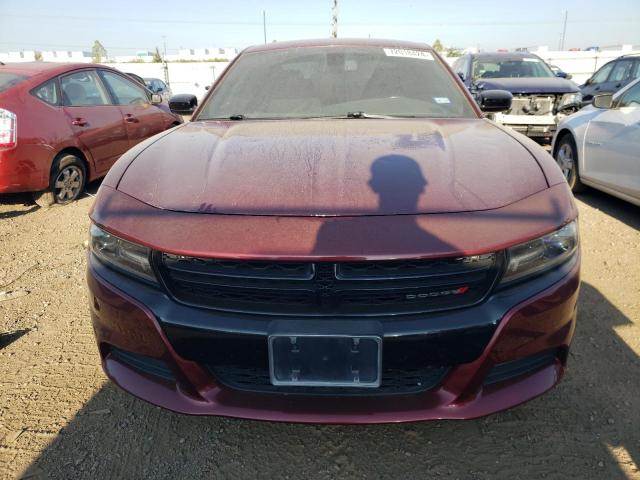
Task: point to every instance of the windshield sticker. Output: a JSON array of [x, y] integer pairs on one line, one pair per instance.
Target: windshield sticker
[[441, 100], [403, 52], [531, 60]]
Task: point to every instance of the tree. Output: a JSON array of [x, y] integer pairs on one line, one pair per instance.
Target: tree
[[157, 58], [437, 46], [454, 52], [98, 52], [37, 56]]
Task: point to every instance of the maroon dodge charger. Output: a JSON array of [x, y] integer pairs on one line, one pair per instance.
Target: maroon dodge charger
[[338, 236]]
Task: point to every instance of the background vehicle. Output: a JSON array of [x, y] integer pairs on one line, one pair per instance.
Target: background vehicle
[[137, 78], [600, 145], [338, 236], [62, 125], [611, 77], [558, 72], [158, 86], [540, 97]]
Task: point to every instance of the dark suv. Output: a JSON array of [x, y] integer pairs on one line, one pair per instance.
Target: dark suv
[[611, 77], [540, 96]]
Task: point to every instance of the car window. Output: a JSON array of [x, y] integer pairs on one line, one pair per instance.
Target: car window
[[125, 91], [635, 73], [83, 89], [526, 67], [8, 80], [621, 71], [631, 98], [601, 75], [47, 92], [334, 81]]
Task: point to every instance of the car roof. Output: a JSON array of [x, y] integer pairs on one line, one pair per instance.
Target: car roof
[[341, 42], [50, 69], [503, 56]]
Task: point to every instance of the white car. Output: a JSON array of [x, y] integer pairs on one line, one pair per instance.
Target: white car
[[599, 146]]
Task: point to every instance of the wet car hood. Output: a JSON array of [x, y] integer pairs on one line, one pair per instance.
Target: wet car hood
[[333, 167], [528, 85]]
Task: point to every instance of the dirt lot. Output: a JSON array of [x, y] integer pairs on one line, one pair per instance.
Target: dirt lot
[[61, 418]]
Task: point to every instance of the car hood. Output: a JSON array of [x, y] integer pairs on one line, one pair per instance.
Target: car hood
[[528, 85], [333, 167]]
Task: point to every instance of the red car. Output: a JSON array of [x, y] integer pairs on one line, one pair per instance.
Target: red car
[[338, 236], [62, 125]]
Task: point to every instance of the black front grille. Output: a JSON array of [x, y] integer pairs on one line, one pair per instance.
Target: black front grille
[[323, 288], [394, 381], [410, 364]]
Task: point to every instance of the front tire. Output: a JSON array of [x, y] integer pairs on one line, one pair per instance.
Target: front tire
[[567, 157], [67, 181]]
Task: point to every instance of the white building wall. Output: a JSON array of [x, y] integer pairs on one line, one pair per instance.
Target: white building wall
[[22, 56], [183, 77], [63, 56]]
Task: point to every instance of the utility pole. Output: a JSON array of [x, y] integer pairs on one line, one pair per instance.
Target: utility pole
[[564, 30], [264, 25], [334, 19], [165, 67]]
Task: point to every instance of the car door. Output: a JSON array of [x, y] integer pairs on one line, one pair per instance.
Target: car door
[[612, 145], [619, 77], [96, 122], [594, 84], [142, 119]]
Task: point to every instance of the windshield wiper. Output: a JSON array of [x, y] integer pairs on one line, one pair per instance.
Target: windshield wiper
[[365, 115]]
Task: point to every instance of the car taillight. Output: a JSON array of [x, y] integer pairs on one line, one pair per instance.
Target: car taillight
[[8, 129]]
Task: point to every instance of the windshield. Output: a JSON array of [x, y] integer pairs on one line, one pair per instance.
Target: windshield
[[333, 81], [511, 68], [8, 80]]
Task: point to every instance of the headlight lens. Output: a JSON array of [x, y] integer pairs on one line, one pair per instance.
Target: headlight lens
[[570, 99], [542, 253], [121, 254]]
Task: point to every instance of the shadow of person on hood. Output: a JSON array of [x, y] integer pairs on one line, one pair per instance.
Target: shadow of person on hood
[[398, 181]]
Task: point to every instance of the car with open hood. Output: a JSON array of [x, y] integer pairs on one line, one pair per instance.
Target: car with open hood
[[541, 97], [337, 236]]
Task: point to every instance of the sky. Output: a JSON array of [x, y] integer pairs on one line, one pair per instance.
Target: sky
[[127, 26]]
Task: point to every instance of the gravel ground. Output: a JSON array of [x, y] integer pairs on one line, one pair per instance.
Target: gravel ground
[[61, 418]]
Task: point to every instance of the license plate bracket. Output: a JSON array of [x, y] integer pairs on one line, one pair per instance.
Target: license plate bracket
[[325, 360]]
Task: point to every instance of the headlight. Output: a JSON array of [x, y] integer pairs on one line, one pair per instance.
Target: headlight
[[542, 253], [570, 100], [121, 254]]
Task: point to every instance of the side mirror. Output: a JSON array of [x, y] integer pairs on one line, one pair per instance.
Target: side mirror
[[564, 75], [588, 82], [604, 100], [183, 103], [494, 100], [156, 99]]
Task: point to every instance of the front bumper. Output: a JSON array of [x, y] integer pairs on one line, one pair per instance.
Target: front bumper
[[533, 318], [530, 125]]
